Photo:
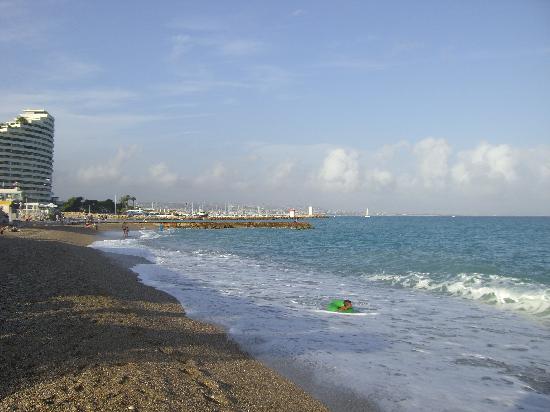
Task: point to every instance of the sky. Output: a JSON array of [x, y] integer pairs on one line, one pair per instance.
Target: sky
[[423, 107]]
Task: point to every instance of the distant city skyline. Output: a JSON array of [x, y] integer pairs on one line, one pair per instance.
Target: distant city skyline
[[398, 106]]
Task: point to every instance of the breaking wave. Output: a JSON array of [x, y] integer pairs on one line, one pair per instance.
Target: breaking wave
[[507, 292]]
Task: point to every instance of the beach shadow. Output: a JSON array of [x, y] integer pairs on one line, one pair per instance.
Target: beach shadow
[[65, 309], [67, 314]]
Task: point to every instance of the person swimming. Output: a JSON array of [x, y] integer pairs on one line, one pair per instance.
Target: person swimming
[[340, 306], [347, 305]]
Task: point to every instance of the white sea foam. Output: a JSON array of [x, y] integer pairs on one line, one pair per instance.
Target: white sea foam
[[422, 351], [333, 313], [505, 292], [124, 247]]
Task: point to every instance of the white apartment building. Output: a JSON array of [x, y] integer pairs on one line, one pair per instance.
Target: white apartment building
[[26, 154]]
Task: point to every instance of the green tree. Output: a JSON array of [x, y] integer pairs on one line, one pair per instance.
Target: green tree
[[106, 206], [22, 120], [90, 205], [124, 200], [74, 204]]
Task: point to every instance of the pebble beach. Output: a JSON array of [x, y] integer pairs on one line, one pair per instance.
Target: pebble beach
[[79, 332]]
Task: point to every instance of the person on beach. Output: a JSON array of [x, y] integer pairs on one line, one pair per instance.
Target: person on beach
[[125, 230]]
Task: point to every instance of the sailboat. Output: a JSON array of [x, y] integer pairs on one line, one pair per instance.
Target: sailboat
[[367, 213]]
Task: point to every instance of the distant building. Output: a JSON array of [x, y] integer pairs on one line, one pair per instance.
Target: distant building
[[12, 194], [9, 197], [26, 154], [310, 211]]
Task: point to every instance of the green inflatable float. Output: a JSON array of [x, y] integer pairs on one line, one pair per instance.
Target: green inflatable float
[[335, 304]]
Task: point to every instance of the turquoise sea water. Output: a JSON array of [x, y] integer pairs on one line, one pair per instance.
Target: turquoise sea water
[[439, 247], [456, 310]]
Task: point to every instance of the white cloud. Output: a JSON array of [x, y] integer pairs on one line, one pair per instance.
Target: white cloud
[[344, 62], [240, 47], [544, 167], [379, 179], [68, 101], [406, 46], [269, 77], [486, 161], [66, 68], [340, 170], [99, 98], [161, 175], [218, 171], [215, 174], [262, 78], [110, 120], [181, 44], [412, 177], [297, 13], [14, 15], [185, 87], [281, 172], [197, 24], [110, 170], [460, 173], [388, 151], [432, 155]]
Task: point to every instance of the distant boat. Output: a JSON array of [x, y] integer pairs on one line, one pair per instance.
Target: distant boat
[[201, 214], [367, 213], [136, 212]]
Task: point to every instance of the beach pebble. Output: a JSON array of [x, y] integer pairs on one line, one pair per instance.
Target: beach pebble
[[141, 350]]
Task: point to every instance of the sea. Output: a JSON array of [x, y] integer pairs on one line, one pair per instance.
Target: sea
[[452, 313]]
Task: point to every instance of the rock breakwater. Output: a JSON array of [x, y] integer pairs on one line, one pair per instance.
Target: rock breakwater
[[238, 225]]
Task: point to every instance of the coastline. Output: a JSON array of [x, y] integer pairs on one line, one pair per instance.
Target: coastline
[[79, 330]]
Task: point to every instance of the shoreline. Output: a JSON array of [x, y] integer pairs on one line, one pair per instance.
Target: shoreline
[[334, 395], [78, 329]]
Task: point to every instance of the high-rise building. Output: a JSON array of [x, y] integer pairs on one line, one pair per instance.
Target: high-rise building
[[26, 154]]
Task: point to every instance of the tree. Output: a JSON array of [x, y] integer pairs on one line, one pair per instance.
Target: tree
[[106, 206], [124, 200], [90, 205], [74, 204], [22, 120]]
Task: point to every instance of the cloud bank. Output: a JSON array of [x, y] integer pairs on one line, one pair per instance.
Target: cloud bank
[[427, 176]]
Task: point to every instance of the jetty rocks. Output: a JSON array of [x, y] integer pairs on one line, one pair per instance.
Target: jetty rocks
[[239, 225]]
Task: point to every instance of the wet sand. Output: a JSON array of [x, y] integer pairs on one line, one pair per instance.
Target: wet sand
[[79, 332]]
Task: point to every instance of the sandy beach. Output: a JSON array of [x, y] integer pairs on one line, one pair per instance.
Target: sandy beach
[[79, 332]]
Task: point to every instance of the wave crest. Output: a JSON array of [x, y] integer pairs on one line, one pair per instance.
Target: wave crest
[[506, 292]]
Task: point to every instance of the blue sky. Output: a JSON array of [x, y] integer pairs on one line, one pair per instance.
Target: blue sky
[[427, 106]]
